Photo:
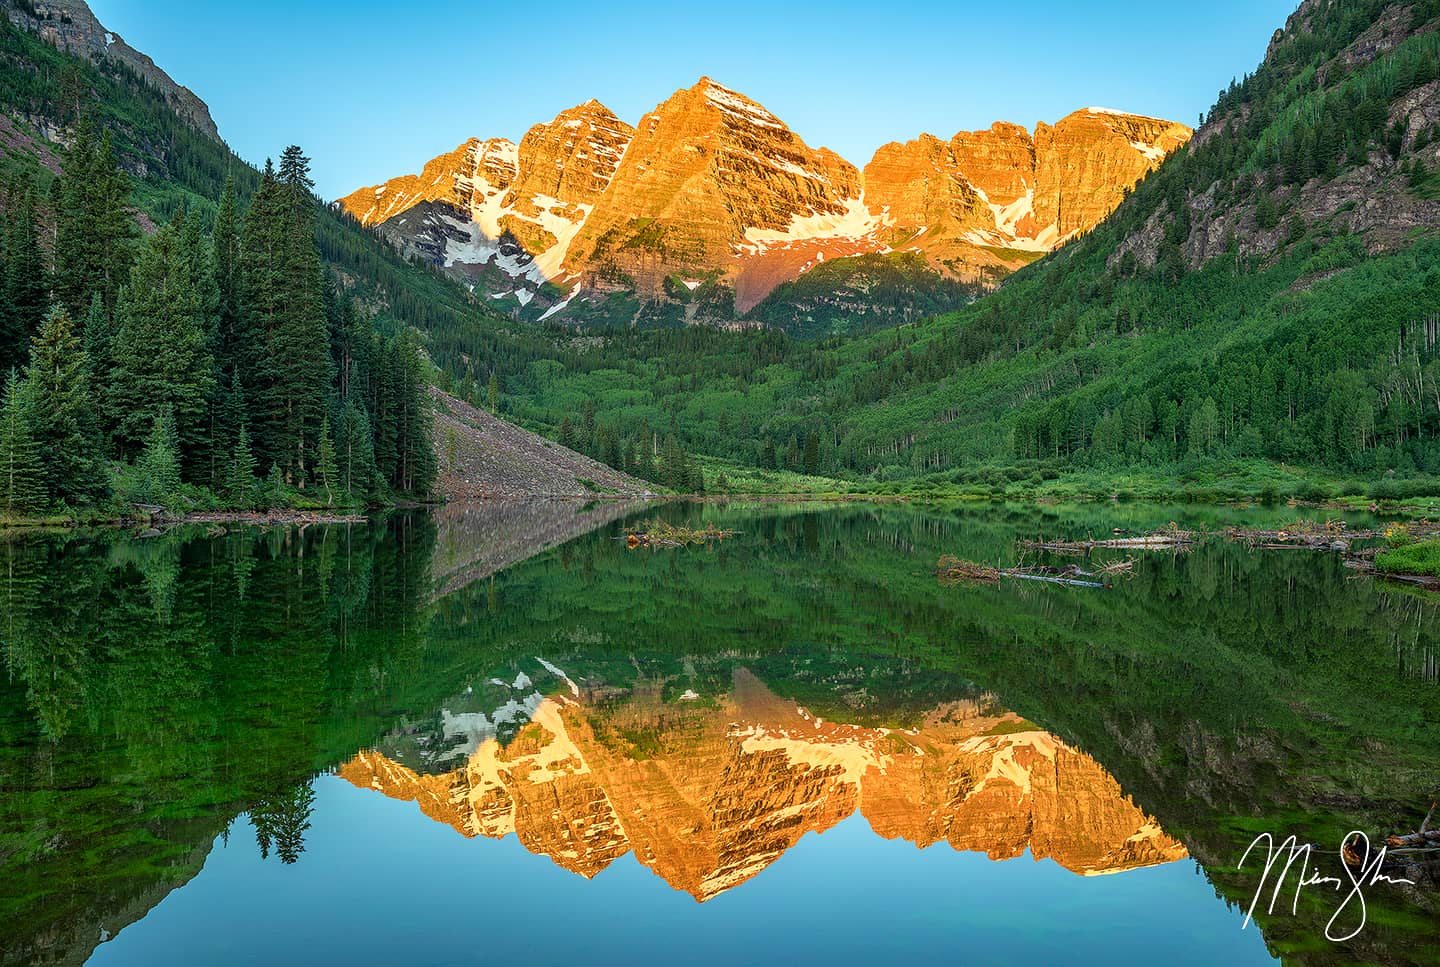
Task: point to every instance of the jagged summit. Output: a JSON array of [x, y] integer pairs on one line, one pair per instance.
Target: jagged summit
[[711, 198]]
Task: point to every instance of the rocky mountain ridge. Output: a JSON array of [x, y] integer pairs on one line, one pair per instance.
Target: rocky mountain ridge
[[71, 26], [711, 201]]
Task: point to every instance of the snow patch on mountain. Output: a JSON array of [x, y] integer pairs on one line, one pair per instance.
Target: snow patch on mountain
[[739, 107], [855, 221], [1150, 151]]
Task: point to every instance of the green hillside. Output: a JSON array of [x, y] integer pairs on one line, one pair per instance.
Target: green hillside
[[1264, 299]]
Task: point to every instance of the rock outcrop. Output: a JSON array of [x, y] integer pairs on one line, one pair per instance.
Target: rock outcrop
[[973, 203], [70, 26], [708, 791], [712, 188], [500, 214]]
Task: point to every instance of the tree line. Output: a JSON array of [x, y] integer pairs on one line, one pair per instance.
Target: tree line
[[194, 364]]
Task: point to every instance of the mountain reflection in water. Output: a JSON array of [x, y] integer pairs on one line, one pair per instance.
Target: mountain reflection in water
[[709, 790], [192, 727]]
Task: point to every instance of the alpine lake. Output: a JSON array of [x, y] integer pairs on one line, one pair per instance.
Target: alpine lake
[[499, 733]]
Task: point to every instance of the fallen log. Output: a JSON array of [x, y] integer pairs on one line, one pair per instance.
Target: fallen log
[[954, 570], [1149, 542]]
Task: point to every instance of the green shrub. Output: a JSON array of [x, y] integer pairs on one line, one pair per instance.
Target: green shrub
[[1418, 558]]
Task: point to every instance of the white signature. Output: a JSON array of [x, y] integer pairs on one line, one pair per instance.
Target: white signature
[[1292, 850]]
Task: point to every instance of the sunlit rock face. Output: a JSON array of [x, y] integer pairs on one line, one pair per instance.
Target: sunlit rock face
[[501, 213], [711, 187], [708, 790], [967, 202]]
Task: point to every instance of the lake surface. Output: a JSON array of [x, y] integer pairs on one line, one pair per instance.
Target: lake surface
[[497, 732]]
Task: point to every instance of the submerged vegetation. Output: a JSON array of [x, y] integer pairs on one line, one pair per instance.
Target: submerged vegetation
[[658, 532]]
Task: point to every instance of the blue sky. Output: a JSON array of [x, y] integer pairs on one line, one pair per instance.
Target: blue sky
[[373, 89]]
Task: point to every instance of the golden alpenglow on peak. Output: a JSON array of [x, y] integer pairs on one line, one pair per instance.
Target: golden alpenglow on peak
[[711, 201], [708, 791]]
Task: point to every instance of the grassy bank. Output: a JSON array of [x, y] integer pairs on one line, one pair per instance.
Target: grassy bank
[[1254, 481]]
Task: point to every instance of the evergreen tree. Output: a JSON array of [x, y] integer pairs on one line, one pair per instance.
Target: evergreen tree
[[227, 416], [259, 307], [226, 251], [494, 393], [415, 450], [275, 486], [22, 490], [94, 228], [160, 353], [811, 459], [299, 342], [63, 417], [24, 283], [1204, 428], [383, 410], [326, 472], [96, 339], [160, 465], [767, 455], [242, 469], [355, 456]]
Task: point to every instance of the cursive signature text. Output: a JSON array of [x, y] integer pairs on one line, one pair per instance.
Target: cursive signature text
[[1290, 854]]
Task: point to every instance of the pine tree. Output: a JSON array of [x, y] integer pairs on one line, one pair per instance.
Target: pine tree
[[326, 472], [24, 283], [242, 469], [383, 410], [299, 342], [415, 450], [227, 415], [226, 253], [21, 488], [494, 394], [94, 229], [63, 416], [275, 486], [355, 456], [160, 353], [160, 465], [96, 339], [259, 306], [767, 455]]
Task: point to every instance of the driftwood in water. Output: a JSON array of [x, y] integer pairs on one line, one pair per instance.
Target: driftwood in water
[[1429, 838], [1424, 839], [1331, 535], [1167, 538], [954, 570]]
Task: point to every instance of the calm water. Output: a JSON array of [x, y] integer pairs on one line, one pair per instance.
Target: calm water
[[496, 732]]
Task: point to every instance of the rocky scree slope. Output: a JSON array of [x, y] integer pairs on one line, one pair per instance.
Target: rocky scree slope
[[482, 456]]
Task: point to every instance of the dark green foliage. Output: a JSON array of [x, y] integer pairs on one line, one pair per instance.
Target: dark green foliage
[[160, 463], [160, 357], [93, 230], [22, 488], [354, 453], [860, 294], [277, 344], [24, 280], [57, 387], [240, 484], [1422, 558], [326, 473]]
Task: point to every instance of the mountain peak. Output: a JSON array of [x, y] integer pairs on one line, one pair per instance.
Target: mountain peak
[[590, 108]]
